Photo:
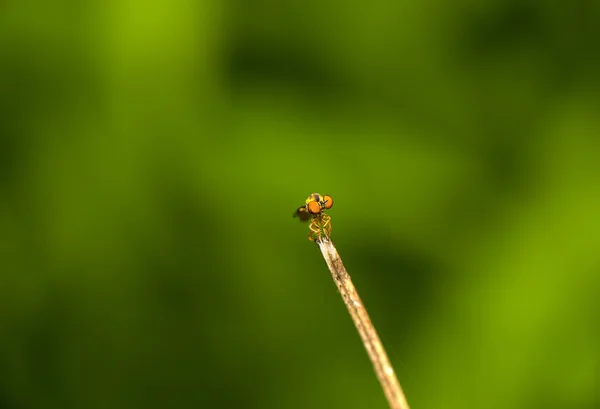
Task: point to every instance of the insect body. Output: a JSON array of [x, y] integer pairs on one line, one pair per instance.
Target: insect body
[[314, 208]]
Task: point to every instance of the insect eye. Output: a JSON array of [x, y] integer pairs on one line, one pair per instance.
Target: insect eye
[[314, 207], [327, 202]]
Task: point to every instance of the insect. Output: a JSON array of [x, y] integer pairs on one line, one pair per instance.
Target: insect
[[314, 208]]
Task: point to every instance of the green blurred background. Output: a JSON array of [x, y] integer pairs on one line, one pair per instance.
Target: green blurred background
[[151, 157]]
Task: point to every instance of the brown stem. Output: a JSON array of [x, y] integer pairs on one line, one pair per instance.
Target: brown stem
[[383, 368]]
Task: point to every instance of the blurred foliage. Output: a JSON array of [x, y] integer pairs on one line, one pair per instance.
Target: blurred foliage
[[152, 154]]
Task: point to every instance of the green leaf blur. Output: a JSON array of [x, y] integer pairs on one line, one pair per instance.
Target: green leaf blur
[[152, 155]]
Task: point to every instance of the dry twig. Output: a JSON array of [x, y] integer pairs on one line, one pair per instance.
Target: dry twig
[[383, 368]]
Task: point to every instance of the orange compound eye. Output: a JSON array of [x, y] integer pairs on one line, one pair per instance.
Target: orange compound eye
[[314, 207], [328, 202]]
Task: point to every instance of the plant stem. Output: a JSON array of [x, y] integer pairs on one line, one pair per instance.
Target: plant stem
[[366, 330]]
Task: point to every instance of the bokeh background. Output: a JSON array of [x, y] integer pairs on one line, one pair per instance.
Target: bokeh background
[[152, 155]]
